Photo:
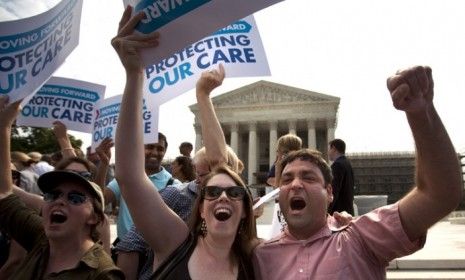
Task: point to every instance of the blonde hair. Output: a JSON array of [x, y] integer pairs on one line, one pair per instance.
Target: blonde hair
[[232, 162], [289, 142]]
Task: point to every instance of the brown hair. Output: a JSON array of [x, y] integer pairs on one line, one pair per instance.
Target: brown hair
[[312, 156], [246, 239], [187, 167]]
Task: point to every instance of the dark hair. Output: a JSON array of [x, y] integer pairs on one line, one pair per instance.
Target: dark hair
[[339, 145], [312, 156], [46, 158], [187, 145], [162, 136], [245, 240], [98, 207], [187, 167], [56, 157]]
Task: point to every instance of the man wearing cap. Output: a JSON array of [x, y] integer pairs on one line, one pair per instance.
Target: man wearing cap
[[62, 243]]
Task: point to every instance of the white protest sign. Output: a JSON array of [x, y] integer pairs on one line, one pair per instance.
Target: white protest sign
[[72, 102], [182, 22], [266, 198], [237, 46], [31, 49], [107, 119]]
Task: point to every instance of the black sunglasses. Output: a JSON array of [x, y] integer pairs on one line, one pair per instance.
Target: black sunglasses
[[213, 192], [75, 198]]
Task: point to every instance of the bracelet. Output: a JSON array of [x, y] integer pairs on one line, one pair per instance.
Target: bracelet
[[65, 149]]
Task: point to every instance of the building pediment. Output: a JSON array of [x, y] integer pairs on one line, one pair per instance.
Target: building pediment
[[268, 93]]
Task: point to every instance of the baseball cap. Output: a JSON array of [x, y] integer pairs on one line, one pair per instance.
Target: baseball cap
[[50, 180]]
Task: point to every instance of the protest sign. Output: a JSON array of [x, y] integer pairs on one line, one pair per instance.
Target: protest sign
[[237, 46], [72, 102], [31, 49], [183, 22], [107, 119]]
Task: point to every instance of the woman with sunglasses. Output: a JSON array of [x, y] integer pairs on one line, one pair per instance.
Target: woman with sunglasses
[[62, 243], [216, 250]]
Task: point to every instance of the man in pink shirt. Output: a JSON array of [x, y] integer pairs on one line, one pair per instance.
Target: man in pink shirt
[[308, 249]]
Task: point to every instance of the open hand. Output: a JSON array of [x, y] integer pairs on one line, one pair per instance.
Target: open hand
[[128, 44]]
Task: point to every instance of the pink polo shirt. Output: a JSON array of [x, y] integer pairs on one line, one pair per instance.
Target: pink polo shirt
[[362, 250]]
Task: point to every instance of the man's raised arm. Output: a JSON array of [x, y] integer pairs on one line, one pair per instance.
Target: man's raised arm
[[438, 188]]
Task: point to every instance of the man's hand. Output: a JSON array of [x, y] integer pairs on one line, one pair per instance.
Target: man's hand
[[210, 80], [8, 112], [104, 150], [128, 45], [412, 89]]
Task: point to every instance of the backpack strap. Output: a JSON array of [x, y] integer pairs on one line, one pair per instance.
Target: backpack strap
[[170, 182]]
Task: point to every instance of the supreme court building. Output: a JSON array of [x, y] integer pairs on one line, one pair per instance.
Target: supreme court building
[[253, 117]]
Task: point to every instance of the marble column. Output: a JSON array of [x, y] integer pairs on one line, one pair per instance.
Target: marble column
[[331, 126], [292, 127], [235, 137], [198, 137], [311, 134], [252, 157], [273, 141]]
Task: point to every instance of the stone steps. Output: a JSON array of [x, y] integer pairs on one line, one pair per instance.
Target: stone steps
[[425, 274]]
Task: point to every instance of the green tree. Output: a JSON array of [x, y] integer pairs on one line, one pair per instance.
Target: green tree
[[28, 139]]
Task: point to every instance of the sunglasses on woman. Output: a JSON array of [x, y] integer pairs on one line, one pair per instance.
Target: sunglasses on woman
[[73, 197], [213, 192]]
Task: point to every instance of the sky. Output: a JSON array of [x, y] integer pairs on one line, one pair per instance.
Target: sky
[[336, 47]]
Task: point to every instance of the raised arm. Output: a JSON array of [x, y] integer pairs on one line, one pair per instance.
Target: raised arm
[[438, 176], [61, 133], [163, 230], [213, 136], [8, 113]]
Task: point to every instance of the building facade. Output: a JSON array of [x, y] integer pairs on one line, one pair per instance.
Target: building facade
[[253, 117]]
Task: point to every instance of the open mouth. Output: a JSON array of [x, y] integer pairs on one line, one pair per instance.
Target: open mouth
[[57, 218], [297, 203], [222, 214]]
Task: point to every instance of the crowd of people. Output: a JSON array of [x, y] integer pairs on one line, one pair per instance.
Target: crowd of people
[[198, 222]]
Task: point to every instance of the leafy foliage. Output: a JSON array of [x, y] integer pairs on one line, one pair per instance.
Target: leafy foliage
[[29, 139]]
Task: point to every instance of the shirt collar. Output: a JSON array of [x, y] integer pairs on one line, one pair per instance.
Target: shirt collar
[[156, 175], [90, 258], [322, 233]]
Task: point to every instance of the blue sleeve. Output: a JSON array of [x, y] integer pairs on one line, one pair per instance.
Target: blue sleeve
[[114, 187]]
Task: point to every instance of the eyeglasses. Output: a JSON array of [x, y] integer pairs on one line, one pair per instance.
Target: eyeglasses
[[213, 192], [86, 174], [75, 198]]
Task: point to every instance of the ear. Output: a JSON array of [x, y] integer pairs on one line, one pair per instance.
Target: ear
[[93, 219], [202, 214], [329, 190]]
